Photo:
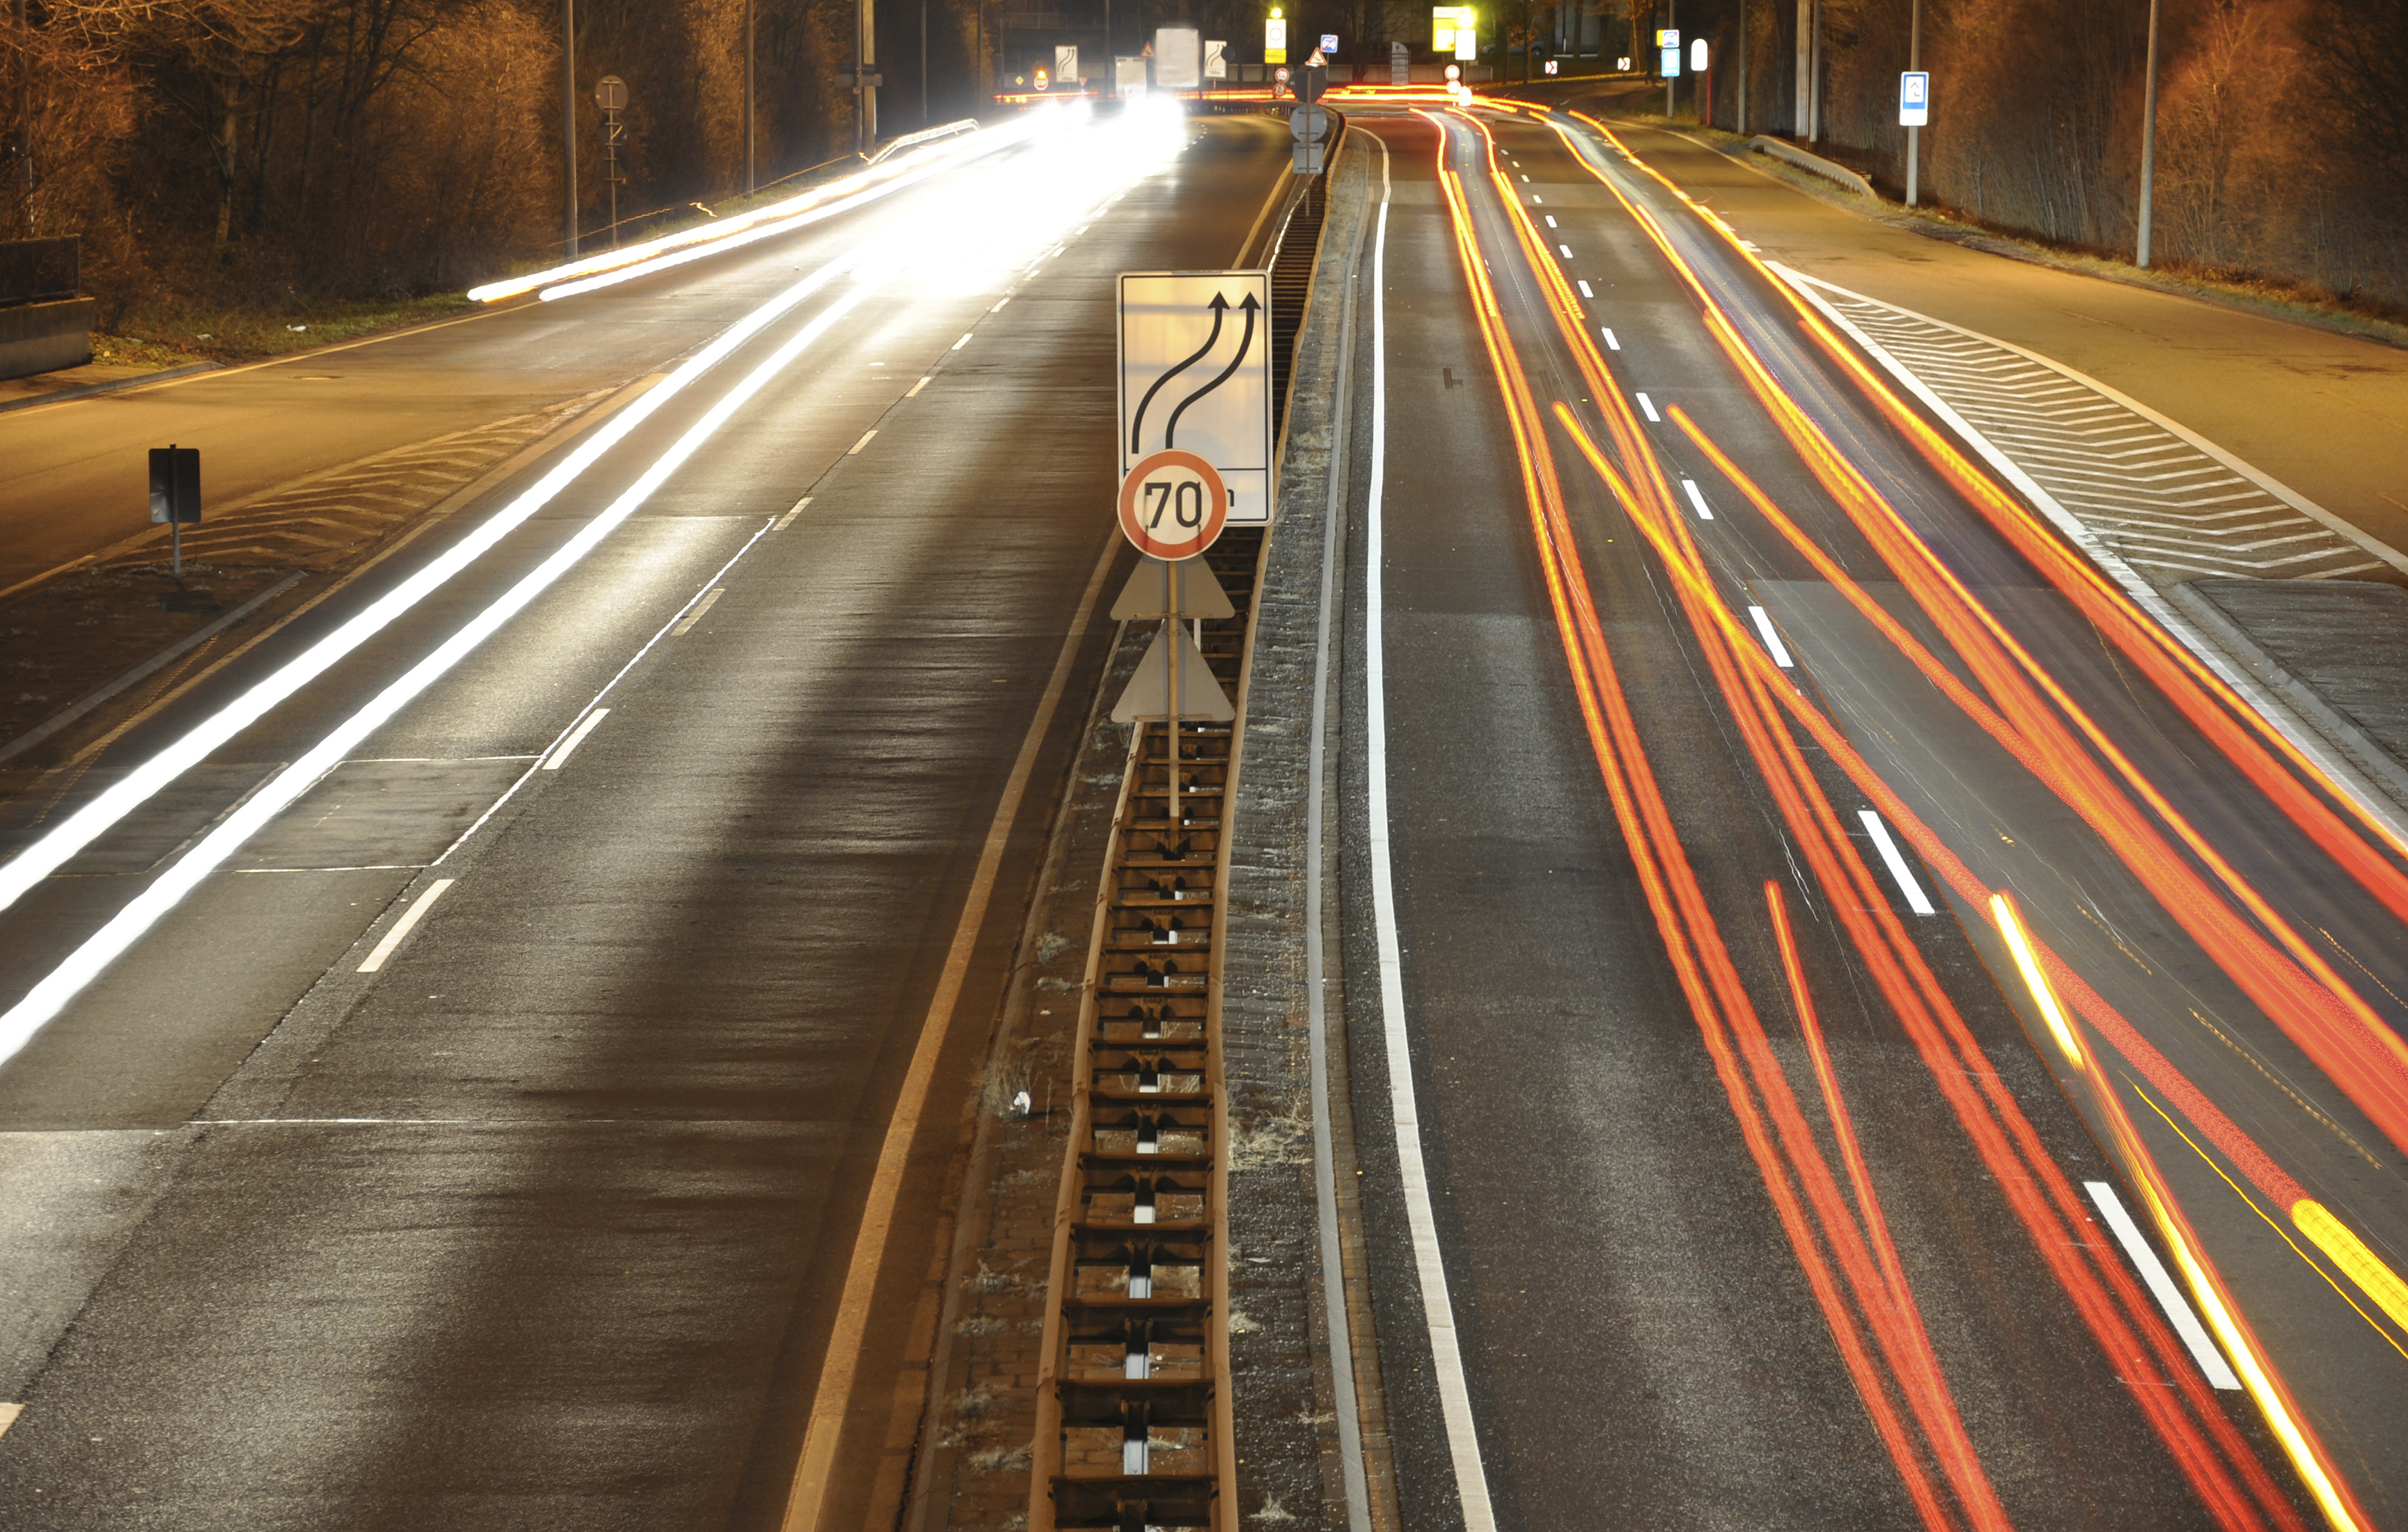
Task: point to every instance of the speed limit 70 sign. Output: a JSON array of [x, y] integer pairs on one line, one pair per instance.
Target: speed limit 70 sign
[[1172, 506]]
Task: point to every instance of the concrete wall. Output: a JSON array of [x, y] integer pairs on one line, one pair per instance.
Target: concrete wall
[[45, 336]]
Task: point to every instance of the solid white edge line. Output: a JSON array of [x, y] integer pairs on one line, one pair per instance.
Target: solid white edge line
[[1438, 1308], [1900, 872], [2178, 1309], [685, 625], [561, 751], [409, 923], [2345, 774], [1696, 499], [1771, 637], [50, 994]]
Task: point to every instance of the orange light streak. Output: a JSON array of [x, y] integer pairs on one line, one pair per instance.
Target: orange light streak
[[1829, 849], [1726, 1018], [2304, 996], [2100, 599], [2000, 1131]]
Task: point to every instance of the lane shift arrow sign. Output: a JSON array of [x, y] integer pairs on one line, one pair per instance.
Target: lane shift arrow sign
[[1192, 383]]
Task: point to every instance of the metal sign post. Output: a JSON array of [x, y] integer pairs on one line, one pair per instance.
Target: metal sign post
[[1196, 378], [175, 496], [1913, 112], [611, 94], [1173, 681]]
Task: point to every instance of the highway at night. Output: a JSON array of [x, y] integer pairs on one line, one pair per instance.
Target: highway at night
[[1779, 957]]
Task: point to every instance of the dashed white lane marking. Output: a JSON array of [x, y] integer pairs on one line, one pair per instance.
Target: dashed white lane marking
[[1584, 291], [862, 443], [575, 738], [1550, 220], [1437, 1306], [1764, 628], [2152, 1271], [1611, 344], [9, 1413], [400, 932], [963, 341], [1000, 303], [788, 519], [1689, 488], [1535, 198], [1648, 406], [1525, 180], [1898, 871], [914, 392], [1566, 249], [685, 625]]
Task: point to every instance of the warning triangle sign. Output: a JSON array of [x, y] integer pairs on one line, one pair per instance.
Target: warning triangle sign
[[1158, 587], [1148, 696]]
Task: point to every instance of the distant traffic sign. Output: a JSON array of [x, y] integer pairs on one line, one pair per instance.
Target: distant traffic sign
[[1329, 42], [1172, 506], [1915, 99], [1195, 377]]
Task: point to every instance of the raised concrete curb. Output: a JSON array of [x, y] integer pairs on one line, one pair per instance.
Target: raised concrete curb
[[1295, 1461], [85, 391]]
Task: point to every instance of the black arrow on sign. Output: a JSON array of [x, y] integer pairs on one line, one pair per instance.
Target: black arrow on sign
[[1243, 346], [1220, 307]]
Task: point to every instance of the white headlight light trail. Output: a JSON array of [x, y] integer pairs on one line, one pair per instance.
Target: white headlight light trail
[[1066, 185], [106, 945]]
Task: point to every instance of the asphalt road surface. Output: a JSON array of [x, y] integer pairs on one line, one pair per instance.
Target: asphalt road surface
[[1700, 1265], [539, 1210]]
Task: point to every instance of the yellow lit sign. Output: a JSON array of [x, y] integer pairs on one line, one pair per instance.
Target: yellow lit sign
[[1275, 39], [1450, 25]]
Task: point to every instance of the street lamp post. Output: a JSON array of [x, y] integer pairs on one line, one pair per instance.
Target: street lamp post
[[1915, 62], [749, 134], [2148, 141], [1742, 69], [1672, 76], [569, 122]]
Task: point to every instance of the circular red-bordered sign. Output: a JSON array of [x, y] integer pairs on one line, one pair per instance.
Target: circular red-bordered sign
[[1173, 505]]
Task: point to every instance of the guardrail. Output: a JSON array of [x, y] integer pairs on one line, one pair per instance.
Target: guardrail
[[925, 135], [40, 270], [1814, 164]]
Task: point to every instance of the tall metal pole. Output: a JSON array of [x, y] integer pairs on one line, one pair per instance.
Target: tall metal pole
[[1914, 61], [864, 53], [568, 123], [923, 63], [1815, 80], [750, 136], [1672, 76], [1742, 69], [25, 104], [2149, 142]]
